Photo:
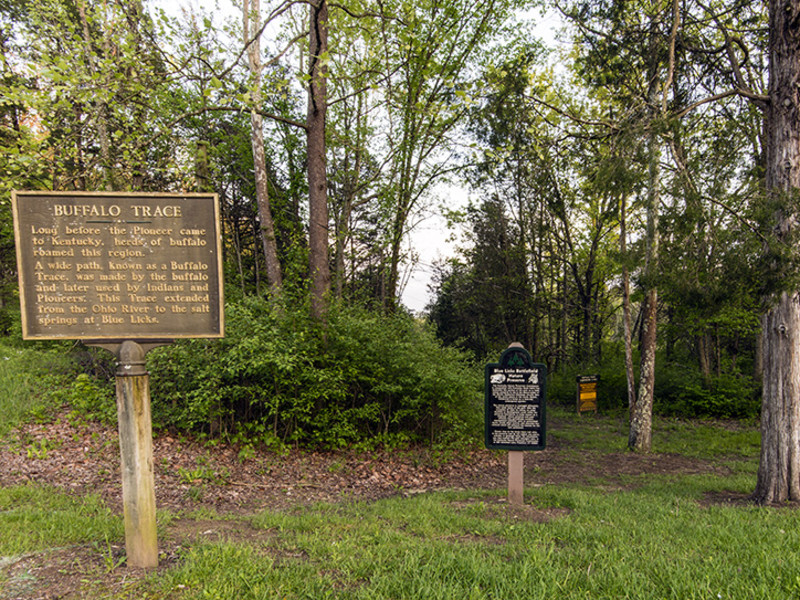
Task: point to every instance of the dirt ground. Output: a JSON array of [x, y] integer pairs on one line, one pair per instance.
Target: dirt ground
[[83, 458]]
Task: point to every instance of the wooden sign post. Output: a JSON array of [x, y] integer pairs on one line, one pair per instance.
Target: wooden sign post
[[136, 456], [516, 477], [515, 411], [127, 273]]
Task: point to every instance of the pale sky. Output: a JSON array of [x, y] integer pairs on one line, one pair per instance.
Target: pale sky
[[430, 240]]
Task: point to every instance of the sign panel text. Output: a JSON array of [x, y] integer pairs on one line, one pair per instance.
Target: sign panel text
[[515, 394], [118, 266]]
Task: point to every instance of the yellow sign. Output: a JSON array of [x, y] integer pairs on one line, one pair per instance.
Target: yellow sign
[[587, 393]]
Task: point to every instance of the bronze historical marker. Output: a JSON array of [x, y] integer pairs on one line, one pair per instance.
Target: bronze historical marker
[[108, 266]]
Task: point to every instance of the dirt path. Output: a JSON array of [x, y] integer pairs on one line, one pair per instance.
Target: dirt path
[[84, 458]]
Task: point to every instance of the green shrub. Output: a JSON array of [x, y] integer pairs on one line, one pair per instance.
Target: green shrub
[[612, 389], [400, 379], [682, 391], [561, 386], [29, 376], [279, 378], [90, 397]]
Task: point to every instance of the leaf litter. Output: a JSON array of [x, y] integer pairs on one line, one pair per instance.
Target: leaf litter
[[194, 478]]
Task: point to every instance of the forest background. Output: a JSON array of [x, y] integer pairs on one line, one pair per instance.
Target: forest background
[[619, 215]]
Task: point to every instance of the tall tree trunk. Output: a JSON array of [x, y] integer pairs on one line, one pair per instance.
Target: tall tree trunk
[[317, 177], [390, 300], [704, 357], [779, 467], [626, 307], [342, 234], [758, 359], [640, 436], [669, 343], [101, 117], [251, 9], [585, 293], [562, 343], [350, 189], [202, 171]]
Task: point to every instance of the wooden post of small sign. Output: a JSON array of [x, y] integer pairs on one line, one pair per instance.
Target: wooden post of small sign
[[136, 453], [515, 394], [136, 449], [516, 477]]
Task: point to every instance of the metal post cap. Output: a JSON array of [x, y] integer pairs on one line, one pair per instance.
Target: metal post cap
[[131, 360]]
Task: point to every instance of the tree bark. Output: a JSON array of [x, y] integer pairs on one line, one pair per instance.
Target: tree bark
[[758, 359], [351, 184], [626, 307], [317, 176], [640, 435], [101, 116], [779, 467], [704, 357], [390, 300], [251, 10]]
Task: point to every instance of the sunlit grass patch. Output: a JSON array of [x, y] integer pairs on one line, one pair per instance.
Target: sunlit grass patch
[[35, 518], [696, 439], [658, 541], [26, 377], [706, 439]]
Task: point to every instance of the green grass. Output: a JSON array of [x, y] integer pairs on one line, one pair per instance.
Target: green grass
[[35, 518], [601, 432], [26, 378], [660, 537], [654, 542], [16, 390], [704, 440]]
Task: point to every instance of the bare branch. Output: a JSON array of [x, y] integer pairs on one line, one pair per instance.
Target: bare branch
[[571, 117], [681, 164], [673, 36], [273, 15], [735, 64], [363, 15], [167, 128], [760, 100]]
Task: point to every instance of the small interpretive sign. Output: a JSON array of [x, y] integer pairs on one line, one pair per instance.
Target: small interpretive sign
[[97, 266], [587, 393], [515, 399]]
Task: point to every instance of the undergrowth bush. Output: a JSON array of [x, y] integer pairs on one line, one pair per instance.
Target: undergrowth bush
[[682, 391], [611, 389], [90, 397], [279, 378], [28, 376]]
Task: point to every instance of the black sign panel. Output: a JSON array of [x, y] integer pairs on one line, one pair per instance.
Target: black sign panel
[[515, 394]]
